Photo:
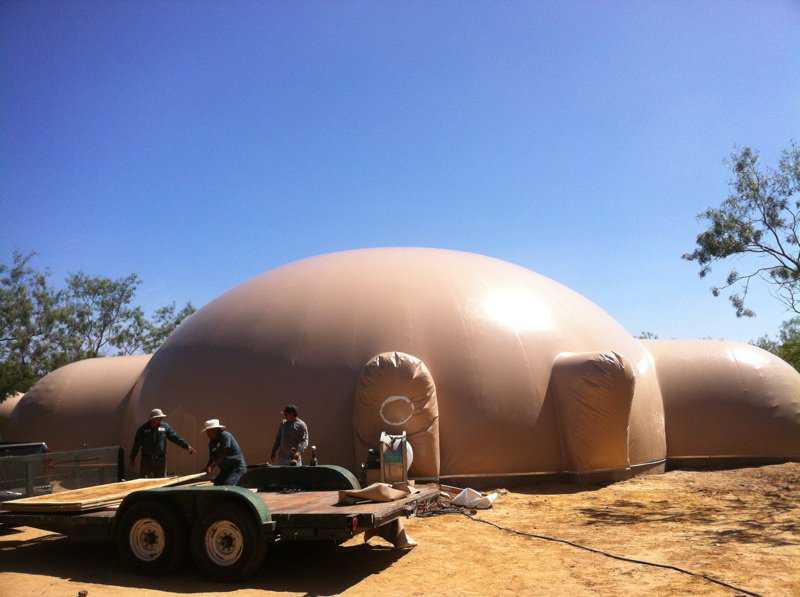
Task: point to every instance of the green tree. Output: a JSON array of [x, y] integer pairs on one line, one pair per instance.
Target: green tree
[[787, 344], [162, 324], [100, 315], [758, 220], [43, 327], [31, 327], [645, 335]]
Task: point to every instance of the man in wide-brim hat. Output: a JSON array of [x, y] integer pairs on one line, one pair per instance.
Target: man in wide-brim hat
[[225, 459], [152, 438]]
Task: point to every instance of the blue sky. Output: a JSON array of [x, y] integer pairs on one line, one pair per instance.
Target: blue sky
[[200, 144]]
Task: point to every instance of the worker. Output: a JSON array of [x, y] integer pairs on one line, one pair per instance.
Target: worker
[[225, 459], [291, 439], [152, 438]]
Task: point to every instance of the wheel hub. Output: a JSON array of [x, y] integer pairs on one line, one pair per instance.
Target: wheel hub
[[224, 543], [147, 539]]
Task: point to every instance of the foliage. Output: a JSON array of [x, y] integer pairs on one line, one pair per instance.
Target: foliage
[[759, 219], [162, 324], [31, 327], [647, 336], [43, 328], [786, 345], [100, 315]]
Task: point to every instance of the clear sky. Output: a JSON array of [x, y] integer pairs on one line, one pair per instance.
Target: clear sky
[[200, 144]]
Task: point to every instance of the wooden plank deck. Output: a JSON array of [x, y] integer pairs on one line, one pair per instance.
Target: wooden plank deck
[[91, 498], [315, 508], [310, 509], [96, 525]]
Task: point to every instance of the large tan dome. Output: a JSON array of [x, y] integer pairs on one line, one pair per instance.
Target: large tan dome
[[488, 332], [492, 370]]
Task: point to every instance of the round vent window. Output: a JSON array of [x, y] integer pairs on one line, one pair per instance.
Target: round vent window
[[396, 410]]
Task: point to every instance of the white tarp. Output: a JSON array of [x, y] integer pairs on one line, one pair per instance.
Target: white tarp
[[469, 498]]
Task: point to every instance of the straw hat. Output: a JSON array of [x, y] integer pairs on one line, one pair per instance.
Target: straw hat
[[157, 413], [213, 424]]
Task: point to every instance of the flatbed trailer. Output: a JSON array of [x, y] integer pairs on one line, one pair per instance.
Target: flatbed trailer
[[226, 529]]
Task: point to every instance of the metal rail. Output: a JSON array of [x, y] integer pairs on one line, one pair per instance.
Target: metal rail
[[36, 474]]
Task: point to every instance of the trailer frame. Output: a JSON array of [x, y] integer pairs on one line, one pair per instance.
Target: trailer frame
[[187, 515]]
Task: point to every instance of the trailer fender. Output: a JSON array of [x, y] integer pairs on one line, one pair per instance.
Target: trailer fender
[[194, 502], [322, 477]]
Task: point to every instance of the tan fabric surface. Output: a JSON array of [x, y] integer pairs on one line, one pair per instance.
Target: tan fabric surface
[[487, 330], [727, 399], [394, 532], [377, 492], [6, 408], [396, 393], [78, 405], [593, 394]]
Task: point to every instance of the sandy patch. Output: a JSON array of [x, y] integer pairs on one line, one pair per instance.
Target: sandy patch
[[741, 526]]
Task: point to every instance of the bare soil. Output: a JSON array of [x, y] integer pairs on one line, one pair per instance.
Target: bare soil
[[740, 526]]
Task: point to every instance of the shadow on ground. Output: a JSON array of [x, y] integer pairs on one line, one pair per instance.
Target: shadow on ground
[[312, 569], [756, 521]]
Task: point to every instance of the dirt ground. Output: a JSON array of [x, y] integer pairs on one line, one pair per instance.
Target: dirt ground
[[740, 526]]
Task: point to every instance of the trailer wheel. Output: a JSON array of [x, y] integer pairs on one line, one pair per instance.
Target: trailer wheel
[[227, 543], [151, 538]]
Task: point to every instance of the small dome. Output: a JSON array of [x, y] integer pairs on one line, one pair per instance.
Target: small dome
[[6, 408], [727, 400], [77, 405]]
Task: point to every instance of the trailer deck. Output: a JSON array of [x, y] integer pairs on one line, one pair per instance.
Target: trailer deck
[[316, 516], [227, 528], [297, 515], [295, 508]]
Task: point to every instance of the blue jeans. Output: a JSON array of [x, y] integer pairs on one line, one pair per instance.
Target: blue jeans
[[230, 477]]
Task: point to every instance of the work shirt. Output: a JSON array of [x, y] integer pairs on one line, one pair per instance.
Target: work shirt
[[224, 451], [153, 440], [291, 434]]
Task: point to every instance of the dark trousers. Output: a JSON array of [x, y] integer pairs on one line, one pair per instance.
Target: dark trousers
[[153, 466], [230, 476]]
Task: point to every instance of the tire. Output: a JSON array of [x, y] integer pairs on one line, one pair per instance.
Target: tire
[[227, 543], [151, 538]]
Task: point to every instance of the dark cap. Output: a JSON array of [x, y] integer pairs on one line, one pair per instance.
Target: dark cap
[[290, 409]]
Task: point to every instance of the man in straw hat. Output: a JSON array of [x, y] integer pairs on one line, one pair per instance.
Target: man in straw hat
[[225, 458], [152, 438]]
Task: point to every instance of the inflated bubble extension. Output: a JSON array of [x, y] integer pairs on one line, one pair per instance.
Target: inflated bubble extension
[[593, 394], [396, 393]]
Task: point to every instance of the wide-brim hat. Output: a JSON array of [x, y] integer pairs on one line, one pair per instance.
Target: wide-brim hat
[[213, 424], [157, 413]]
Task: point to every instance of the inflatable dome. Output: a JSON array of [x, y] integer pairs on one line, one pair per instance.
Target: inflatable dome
[[78, 405], [7, 406], [727, 401], [492, 370], [487, 333]]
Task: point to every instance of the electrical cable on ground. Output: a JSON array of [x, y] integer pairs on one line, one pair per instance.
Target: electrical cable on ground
[[457, 510]]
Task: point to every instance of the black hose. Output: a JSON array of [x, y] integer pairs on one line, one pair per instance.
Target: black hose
[[456, 510]]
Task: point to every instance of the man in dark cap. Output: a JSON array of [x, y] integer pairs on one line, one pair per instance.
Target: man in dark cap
[[291, 439], [152, 438]]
